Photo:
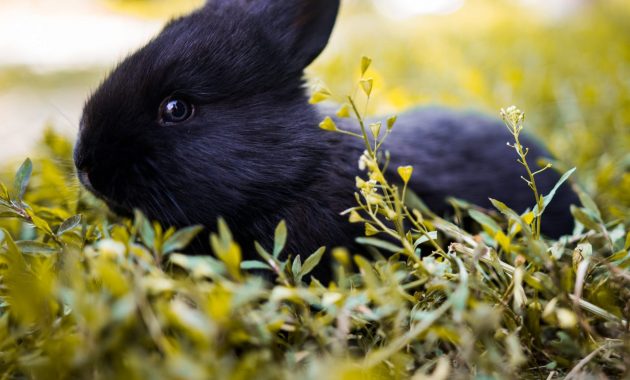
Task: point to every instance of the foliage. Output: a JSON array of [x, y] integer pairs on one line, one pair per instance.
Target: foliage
[[88, 296], [571, 72], [84, 294]]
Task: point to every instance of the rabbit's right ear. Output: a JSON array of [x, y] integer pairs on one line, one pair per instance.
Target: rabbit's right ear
[[300, 28]]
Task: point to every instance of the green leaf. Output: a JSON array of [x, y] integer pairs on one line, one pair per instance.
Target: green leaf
[[581, 216], [263, 252], [312, 261], [296, 268], [9, 214], [203, 266], [144, 228], [35, 247], [549, 197], [589, 204], [224, 233], [459, 298], [413, 201], [505, 210], [379, 244], [68, 224], [484, 220], [254, 264], [280, 238], [22, 177], [433, 235], [181, 239]]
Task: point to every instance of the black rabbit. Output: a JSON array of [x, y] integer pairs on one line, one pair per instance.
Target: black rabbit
[[211, 119]]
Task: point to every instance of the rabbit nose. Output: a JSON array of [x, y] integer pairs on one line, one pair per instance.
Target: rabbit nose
[[84, 177], [84, 165], [82, 159]]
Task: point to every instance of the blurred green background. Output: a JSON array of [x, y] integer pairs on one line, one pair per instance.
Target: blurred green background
[[565, 62]]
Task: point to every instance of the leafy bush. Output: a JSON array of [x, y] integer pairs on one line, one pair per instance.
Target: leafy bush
[[85, 295]]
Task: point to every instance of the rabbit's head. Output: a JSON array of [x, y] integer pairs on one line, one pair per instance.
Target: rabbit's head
[[209, 118]]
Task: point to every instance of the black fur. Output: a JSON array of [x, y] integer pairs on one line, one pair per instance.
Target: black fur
[[253, 153]]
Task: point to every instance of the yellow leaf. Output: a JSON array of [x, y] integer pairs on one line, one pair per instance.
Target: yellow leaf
[[218, 304], [229, 253], [342, 256], [528, 218], [503, 240], [110, 276]]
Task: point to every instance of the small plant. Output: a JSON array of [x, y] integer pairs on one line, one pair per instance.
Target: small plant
[[85, 295], [381, 205], [514, 121]]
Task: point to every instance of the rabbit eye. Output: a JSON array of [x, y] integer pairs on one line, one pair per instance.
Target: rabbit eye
[[175, 111]]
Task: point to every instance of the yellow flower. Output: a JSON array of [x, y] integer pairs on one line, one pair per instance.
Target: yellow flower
[[405, 173], [328, 124], [344, 111], [355, 217]]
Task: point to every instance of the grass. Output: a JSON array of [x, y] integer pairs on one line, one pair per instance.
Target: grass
[[84, 294]]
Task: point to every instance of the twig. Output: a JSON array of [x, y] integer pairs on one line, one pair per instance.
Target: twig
[[576, 370]]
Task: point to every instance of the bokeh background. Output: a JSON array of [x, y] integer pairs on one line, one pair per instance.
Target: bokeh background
[[565, 62]]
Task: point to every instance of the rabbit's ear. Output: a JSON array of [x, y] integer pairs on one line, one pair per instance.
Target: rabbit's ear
[[303, 27], [218, 4]]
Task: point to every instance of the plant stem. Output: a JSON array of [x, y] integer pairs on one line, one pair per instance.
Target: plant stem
[[531, 182]]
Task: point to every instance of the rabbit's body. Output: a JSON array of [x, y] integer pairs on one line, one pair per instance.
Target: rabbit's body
[[211, 119]]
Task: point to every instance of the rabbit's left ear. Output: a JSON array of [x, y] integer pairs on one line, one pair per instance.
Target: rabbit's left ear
[[300, 28]]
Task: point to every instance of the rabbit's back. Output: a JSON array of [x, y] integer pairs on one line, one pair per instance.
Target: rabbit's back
[[465, 155]]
